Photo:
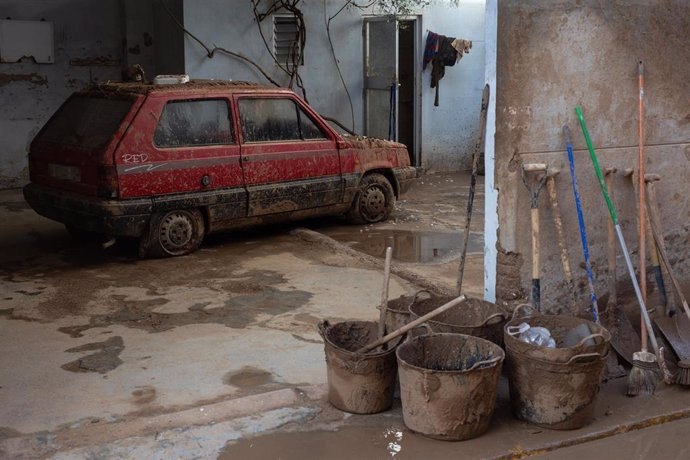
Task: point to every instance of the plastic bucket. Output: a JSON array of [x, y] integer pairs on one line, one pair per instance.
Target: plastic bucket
[[448, 384], [358, 383], [556, 387], [398, 310], [472, 317]]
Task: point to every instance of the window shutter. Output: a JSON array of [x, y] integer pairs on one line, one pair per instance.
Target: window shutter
[[285, 43]]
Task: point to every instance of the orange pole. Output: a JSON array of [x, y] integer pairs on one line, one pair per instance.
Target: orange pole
[[641, 193]]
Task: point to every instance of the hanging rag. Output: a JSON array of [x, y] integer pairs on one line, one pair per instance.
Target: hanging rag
[[446, 55], [430, 48], [461, 46]]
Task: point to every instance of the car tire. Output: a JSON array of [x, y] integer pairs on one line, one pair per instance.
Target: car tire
[[173, 233], [373, 202]]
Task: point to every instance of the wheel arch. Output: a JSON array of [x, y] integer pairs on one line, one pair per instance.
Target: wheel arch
[[388, 174]]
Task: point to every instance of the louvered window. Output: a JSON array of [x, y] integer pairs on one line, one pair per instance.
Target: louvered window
[[285, 39]]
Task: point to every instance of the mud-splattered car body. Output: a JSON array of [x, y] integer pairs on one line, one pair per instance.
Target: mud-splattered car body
[[171, 163]]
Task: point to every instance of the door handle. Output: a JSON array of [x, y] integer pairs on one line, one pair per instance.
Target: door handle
[[245, 158]]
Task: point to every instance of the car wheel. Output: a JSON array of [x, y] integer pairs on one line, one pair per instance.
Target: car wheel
[[374, 200], [173, 233]]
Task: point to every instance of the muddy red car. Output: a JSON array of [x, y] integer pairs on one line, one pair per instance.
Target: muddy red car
[[169, 164]]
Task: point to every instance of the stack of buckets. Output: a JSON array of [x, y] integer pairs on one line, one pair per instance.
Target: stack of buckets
[[449, 380]]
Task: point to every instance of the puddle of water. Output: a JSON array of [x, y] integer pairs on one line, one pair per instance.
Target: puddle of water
[[248, 376], [343, 444], [408, 246]]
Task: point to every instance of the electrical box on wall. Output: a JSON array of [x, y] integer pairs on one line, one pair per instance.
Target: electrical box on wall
[[26, 39]]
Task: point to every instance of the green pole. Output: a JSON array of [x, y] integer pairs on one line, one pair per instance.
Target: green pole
[[593, 156]]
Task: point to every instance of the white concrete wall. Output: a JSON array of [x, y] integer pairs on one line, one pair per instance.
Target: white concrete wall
[[449, 131], [30, 93], [234, 27]]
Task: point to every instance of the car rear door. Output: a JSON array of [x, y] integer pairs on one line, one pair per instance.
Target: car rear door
[[182, 150], [290, 159]]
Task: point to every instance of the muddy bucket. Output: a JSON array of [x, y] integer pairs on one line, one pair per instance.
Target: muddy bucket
[[472, 317], [556, 387], [398, 310], [358, 383], [448, 384]]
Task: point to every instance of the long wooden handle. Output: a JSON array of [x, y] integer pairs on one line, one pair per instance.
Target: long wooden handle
[[411, 325], [613, 280], [384, 292], [536, 283], [558, 223], [641, 196], [478, 152], [655, 222]]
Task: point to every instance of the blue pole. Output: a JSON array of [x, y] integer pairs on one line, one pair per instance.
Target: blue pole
[[581, 221]]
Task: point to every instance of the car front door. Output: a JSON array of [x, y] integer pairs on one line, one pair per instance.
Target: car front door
[[289, 159]]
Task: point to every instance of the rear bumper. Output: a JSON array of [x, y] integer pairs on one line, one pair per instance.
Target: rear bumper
[[113, 218], [405, 177]]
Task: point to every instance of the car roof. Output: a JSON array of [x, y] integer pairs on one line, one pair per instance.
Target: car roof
[[134, 88]]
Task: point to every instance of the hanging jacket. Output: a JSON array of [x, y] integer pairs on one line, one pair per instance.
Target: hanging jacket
[[445, 56]]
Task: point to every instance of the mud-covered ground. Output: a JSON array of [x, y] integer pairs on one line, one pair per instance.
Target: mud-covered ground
[[95, 336], [217, 353]]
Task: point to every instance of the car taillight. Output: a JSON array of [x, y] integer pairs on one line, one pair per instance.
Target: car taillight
[[107, 182]]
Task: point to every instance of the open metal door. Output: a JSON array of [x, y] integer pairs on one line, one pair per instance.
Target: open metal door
[[380, 77]]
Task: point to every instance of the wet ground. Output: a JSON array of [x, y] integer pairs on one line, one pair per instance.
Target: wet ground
[[98, 336], [109, 356]]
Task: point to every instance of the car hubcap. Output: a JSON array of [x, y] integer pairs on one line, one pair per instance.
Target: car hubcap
[[373, 203], [176, 232]]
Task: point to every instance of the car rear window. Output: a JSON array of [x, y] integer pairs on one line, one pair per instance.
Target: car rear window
[[86, 121]]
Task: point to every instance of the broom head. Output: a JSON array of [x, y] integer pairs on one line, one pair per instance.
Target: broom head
[[645, 374]]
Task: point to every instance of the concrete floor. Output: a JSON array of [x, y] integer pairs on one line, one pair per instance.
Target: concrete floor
[[92, 337], [108, 356]]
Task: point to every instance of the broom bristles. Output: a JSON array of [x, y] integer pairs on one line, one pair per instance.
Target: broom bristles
[[683, 375], [645, 374]]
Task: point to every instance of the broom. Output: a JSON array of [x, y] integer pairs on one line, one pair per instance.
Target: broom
[[644, 375], [645, 372]]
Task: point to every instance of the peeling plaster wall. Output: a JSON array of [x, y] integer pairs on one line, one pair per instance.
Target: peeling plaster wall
[[553, 56], [30, 93]]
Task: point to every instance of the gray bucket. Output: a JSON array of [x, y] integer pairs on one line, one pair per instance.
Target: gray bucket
[[448, 384], [358, 383], [556, 387]]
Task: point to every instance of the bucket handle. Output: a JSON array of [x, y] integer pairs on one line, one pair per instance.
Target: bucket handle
[[416, 295], [584, 355], [591, 336], [485, 363], [519, 307], [423, 325], [490, 317], [323, 327]]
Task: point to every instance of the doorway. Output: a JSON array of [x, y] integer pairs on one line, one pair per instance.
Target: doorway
[[391, 82]]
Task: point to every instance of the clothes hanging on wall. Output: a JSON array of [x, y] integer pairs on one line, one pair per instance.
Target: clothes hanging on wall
[[430, 48], [442, 51]]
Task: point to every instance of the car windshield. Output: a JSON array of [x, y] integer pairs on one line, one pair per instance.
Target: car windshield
[[86, 121]]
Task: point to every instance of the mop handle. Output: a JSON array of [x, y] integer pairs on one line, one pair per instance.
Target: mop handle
[[581, 221], [619, 233], [593, 156]]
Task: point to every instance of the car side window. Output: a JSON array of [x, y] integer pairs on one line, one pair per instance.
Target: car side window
[[193, 123], [275, 119]]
